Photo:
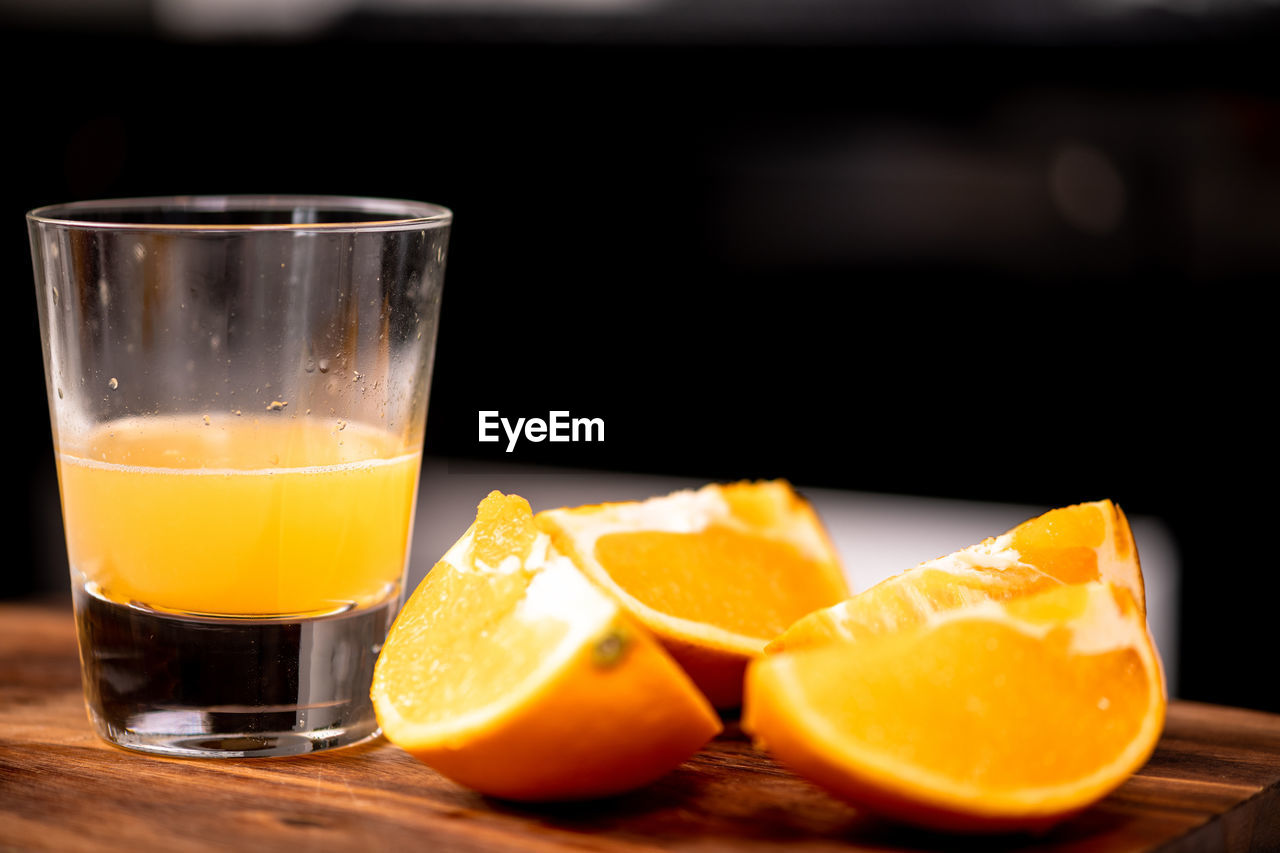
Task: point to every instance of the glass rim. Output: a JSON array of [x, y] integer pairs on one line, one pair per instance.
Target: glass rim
[[382, 214]]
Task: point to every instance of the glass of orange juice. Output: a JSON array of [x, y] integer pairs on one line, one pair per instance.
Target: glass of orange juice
[[238, 393]]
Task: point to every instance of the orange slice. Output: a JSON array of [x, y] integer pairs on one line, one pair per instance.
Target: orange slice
[[509, 672], [715, 573], [1074, 544], [1000, 716]]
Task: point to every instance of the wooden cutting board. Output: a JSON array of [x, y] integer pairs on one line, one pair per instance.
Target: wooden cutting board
[[1213, 784]]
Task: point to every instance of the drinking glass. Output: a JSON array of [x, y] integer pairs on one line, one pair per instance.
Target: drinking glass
[[238, 394]]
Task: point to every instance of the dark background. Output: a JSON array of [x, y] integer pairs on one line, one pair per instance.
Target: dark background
[[1013, 254]]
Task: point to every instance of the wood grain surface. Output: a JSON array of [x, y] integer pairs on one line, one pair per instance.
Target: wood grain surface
[[1213, 784]]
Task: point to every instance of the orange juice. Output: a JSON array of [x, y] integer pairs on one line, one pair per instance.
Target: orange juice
[[239, 515]]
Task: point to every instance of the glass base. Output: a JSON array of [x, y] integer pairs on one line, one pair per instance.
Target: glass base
[[152, 735], [185, 685]]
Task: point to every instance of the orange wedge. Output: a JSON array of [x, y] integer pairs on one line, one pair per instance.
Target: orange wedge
[[1000, 716], [509, 672], [1074, 544], [715, 573]]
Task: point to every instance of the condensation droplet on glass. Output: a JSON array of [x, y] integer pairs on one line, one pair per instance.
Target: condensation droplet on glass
[[324, 365], [113, 384], [104, 293], [139, 251], [342, 425], [276, 406], [309, 366], [206, 420], [59, 393], [55, 296], [235, 412]]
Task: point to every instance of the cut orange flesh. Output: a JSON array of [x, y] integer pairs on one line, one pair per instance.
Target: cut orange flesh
[[1075, 544], [714, 573], [999, 716], [510, 673]]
